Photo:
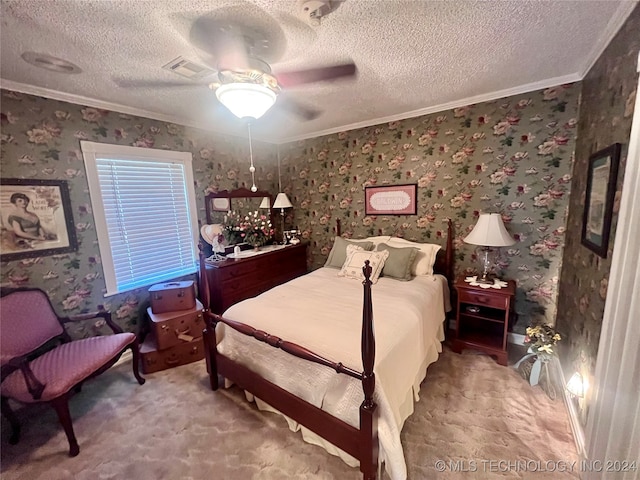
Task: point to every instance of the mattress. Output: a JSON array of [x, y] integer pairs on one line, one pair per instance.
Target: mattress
[[323, 313]]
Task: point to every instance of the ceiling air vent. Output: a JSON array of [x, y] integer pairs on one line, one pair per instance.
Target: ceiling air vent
[[188, 69]]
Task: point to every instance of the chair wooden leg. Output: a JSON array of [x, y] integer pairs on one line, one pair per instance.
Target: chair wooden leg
[[135, 349], [61, 406], [13, 421]]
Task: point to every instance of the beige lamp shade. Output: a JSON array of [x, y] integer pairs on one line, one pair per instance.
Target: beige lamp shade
[[282, 201], [490, 232], [265, 203]]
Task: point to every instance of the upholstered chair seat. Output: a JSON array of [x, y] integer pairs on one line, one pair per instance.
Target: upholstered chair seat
[[64, 367], [39, 362]]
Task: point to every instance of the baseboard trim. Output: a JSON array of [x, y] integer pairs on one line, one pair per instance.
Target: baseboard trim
[[574, 415]]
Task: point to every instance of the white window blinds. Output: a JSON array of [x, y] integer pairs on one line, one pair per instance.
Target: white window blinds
[[144, 206]]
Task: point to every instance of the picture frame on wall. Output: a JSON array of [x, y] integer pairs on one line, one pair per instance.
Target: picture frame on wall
[[599, 196], [35, 218], [391, 200]]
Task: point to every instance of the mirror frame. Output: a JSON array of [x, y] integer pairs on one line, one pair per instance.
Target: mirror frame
[[238, 193]]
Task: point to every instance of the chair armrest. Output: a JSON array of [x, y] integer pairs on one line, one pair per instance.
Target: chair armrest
[[35, 386], [101, 313]]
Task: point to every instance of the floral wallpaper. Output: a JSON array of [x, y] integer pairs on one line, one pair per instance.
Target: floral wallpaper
[[606, 112], [512, 156], [41, 140]]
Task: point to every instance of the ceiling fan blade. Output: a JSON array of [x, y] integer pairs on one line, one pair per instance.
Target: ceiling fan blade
[[129, 83], [321, 74], [222, 43], [304, 112]]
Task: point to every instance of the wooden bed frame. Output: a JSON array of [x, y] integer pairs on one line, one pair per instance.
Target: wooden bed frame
[[360, 443]]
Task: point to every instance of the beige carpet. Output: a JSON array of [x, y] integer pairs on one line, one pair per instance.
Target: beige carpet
[[472, 411]]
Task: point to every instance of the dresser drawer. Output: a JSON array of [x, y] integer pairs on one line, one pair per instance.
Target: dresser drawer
[[238, 270], [237, 285], [490, 300], [232, 281]]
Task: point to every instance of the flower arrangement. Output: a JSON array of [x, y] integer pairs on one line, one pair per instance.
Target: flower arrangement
[[542, 339], [253, 228]]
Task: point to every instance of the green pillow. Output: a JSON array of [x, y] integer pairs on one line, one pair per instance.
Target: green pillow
[[398, 263], [338, 254]]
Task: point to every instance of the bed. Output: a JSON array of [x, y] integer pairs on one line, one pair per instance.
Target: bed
[[343, 387]]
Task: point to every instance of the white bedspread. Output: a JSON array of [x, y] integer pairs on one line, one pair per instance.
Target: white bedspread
[[323, 312]]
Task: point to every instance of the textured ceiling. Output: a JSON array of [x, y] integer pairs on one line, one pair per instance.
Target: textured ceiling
[[413, 57]]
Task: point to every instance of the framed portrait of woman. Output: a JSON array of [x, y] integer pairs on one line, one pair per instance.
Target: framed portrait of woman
[[35, 218]]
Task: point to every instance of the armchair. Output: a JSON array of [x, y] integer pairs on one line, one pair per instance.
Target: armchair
[[39, 362]]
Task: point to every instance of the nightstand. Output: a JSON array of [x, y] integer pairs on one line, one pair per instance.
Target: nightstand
[[482, 318]]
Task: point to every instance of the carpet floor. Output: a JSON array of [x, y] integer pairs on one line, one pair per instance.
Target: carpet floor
[[481, 419]]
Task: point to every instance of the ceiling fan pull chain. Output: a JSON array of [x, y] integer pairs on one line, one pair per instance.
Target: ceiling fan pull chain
[[252, 169]]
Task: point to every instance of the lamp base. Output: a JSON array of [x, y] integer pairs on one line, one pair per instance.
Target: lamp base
[[485, 280]]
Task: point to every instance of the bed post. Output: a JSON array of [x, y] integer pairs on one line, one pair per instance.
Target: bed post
[[449, 253], [209, 332], [368, 417]]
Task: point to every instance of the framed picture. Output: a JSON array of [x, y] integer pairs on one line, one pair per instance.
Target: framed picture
[[35, 218], [598, 201], [391, 200], [220, 204]]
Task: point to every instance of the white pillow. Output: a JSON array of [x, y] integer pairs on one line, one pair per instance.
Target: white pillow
[[377, 240], [426, 257], [356, 256]]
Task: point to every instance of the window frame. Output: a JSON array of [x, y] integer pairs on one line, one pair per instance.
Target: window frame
[[92, 151]]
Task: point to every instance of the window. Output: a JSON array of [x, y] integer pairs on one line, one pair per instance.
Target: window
[[145, 212]]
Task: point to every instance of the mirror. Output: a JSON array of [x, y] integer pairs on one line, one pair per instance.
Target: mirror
[[241, 200]]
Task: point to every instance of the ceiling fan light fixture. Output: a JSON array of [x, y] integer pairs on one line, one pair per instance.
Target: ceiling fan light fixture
[[246, 99]]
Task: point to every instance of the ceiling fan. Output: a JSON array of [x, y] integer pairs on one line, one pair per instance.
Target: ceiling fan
[[242, 81]]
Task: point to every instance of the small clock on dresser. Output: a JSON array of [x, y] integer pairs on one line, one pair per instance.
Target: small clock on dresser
[[482, 318]]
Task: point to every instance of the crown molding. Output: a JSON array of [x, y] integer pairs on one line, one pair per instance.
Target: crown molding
[[487, 97], [92, 102]]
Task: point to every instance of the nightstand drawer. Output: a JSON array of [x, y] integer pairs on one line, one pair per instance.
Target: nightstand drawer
[[488, 300]]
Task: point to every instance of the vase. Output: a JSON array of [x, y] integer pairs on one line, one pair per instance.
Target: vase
[[534, 367]]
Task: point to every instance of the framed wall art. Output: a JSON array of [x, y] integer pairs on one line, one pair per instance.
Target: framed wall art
[[35, 218], [598, 201], [391, 200]]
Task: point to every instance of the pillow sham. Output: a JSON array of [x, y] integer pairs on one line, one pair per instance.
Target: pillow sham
[[356, 257], [426, 257], [338, 253], [398, 264]]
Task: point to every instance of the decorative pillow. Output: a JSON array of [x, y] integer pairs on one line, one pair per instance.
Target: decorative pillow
[[356, 257], [399, 263], [426, 257], [338, 253]]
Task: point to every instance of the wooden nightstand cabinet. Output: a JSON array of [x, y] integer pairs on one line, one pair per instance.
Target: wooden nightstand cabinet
[[482, 320]]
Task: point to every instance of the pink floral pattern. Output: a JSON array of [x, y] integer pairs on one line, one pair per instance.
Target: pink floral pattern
[[41, 140], [513, 156]]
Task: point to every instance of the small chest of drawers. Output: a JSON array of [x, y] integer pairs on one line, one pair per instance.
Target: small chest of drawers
[[234, 280], [482, 321]]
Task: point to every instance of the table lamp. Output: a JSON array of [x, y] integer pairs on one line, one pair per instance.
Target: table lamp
[[489, 232], [282, 202]]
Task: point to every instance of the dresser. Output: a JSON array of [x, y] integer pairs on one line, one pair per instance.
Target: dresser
[[235, 279], [482, 321]]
